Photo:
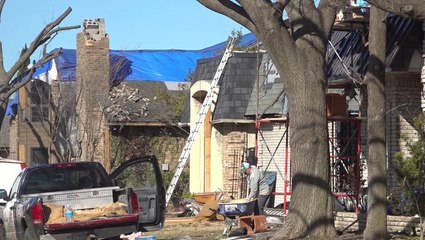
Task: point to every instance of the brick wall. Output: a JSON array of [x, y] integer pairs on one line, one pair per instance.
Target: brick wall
[[92, 87], [13, 139], [30, 135], [234, 140], [403, 104], [348, 221], [55, 97]]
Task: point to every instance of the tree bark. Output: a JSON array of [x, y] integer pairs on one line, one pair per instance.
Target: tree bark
[[376, 227], [406, 8], [299, 56], [310, 211]]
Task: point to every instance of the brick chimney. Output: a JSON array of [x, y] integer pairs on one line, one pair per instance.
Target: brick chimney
[[92, 89]]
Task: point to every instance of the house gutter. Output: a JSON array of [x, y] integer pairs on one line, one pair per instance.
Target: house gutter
[[234, 121], [152, 124]]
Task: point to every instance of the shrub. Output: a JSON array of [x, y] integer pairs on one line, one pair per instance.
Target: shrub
[[182, 187], [410, 168]]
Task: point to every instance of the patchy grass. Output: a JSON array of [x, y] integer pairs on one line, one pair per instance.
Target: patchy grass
[[196, 230]]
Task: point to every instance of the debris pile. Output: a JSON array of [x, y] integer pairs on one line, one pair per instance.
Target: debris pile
[[207, 210], [120, 96]]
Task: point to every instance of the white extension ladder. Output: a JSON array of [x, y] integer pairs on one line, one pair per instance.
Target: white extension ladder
[[201, 118]]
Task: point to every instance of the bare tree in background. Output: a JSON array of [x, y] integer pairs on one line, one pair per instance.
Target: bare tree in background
[[54, 105], [298, 51], [9, 85]]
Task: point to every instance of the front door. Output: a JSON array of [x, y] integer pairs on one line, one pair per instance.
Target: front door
[[143, 176]]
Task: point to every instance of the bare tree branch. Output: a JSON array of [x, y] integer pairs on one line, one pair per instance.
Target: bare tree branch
[[46, 58], [2, 70], [1, 7], [231, 10], [42, 37], [269, 25], [406, 8]]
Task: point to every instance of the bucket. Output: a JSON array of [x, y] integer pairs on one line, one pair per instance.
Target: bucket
[[150, 237]]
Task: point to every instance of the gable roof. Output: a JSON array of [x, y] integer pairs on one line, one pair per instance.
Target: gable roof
[[236, 84], [236, 101]]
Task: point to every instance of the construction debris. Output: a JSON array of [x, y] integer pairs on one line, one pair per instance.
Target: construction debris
[[209, 212], [122, 94], [55, 213]]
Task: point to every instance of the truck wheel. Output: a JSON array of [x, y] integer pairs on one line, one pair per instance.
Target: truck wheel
[[30, 235]]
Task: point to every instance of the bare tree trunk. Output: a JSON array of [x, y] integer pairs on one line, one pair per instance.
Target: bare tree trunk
[[376, 227], [310, 211], [406, 8]]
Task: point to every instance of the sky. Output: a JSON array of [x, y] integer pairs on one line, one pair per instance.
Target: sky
[[131, 24]]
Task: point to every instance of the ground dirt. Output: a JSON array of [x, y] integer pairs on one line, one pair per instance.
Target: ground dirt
[[188, 229], [196, 230]]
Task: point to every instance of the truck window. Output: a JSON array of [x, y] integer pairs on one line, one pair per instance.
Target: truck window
[[53, 179], [15, 186], [137, 175]]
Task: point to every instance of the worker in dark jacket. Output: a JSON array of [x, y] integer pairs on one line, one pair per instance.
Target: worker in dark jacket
[[259, 187]]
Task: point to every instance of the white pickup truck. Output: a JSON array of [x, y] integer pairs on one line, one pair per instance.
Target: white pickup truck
[[136, 186]]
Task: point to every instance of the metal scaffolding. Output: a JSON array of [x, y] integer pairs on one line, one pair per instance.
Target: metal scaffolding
[[345, 150]]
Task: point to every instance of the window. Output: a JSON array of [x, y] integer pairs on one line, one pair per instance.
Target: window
[[39, 156], [39, 101], [39, 113]]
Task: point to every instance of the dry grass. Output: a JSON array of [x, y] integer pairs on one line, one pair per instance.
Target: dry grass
[[196, 230]]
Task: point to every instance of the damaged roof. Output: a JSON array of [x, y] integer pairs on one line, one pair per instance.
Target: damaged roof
[[143, 103], [237, 99], [352, 49]]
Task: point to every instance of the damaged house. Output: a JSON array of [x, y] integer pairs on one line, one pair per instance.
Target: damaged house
[[248, 121], [104, 105]]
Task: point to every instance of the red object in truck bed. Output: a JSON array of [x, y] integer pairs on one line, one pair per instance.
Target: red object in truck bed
[[105, 222]]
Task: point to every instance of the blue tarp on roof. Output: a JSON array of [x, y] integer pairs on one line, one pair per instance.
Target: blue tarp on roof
[[138, 65], [159, 65], [149, 65]]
